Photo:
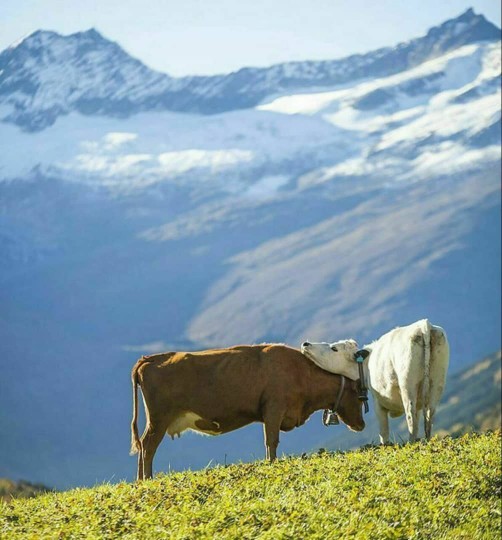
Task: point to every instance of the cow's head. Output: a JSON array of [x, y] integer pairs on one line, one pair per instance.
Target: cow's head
[[350, 407], [342, 358], [337, 357]]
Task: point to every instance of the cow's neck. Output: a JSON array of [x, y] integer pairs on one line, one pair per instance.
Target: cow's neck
[[324, 389]]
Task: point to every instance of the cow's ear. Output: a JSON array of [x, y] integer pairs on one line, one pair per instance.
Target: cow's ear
[[363, 353]]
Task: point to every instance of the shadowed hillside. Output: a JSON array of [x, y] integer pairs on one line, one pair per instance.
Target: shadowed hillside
[[22, 489], [471, 401]]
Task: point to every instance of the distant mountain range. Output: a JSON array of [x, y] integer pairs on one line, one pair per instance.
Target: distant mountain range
[[47, 75], [309, 200]]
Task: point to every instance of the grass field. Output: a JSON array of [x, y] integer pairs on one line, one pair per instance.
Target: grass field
[[448, 488]]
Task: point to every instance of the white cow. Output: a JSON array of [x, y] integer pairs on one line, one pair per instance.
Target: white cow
[[407, 371]]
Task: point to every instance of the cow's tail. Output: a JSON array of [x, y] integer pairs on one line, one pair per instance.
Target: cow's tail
[[135, 442], [427, 378]]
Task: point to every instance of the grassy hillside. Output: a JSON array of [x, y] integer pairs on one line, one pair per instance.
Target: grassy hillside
[[449, 488]]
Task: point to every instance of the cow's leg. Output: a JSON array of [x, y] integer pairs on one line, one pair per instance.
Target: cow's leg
[[272, 419], [435, 393], [428, 417], [383, 422], [150, 441], [140, 464], [410, 409]]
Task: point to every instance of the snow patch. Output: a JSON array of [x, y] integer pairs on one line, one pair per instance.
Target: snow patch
[[215, 160], [118, 138], [449, 157]]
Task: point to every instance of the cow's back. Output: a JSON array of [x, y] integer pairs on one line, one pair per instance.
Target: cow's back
[[397, 361]]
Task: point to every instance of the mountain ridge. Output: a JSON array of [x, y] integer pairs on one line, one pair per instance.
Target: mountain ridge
[[149, 90]]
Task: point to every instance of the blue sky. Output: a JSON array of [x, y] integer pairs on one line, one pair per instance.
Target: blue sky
[[216, 36]]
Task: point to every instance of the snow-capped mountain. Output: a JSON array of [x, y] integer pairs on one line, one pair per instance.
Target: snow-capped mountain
[[47, 75], [348, 128], [316, 200]]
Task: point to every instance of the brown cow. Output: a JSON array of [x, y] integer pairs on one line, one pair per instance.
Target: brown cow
[[217, 391]]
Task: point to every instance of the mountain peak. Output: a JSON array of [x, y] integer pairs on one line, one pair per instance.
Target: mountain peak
[[47, 74], [467, 15], [91, 33], [38, 38], [48, 38], [470, 25]]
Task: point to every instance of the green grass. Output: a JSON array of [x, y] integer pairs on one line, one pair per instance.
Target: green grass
[[447, 488]]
